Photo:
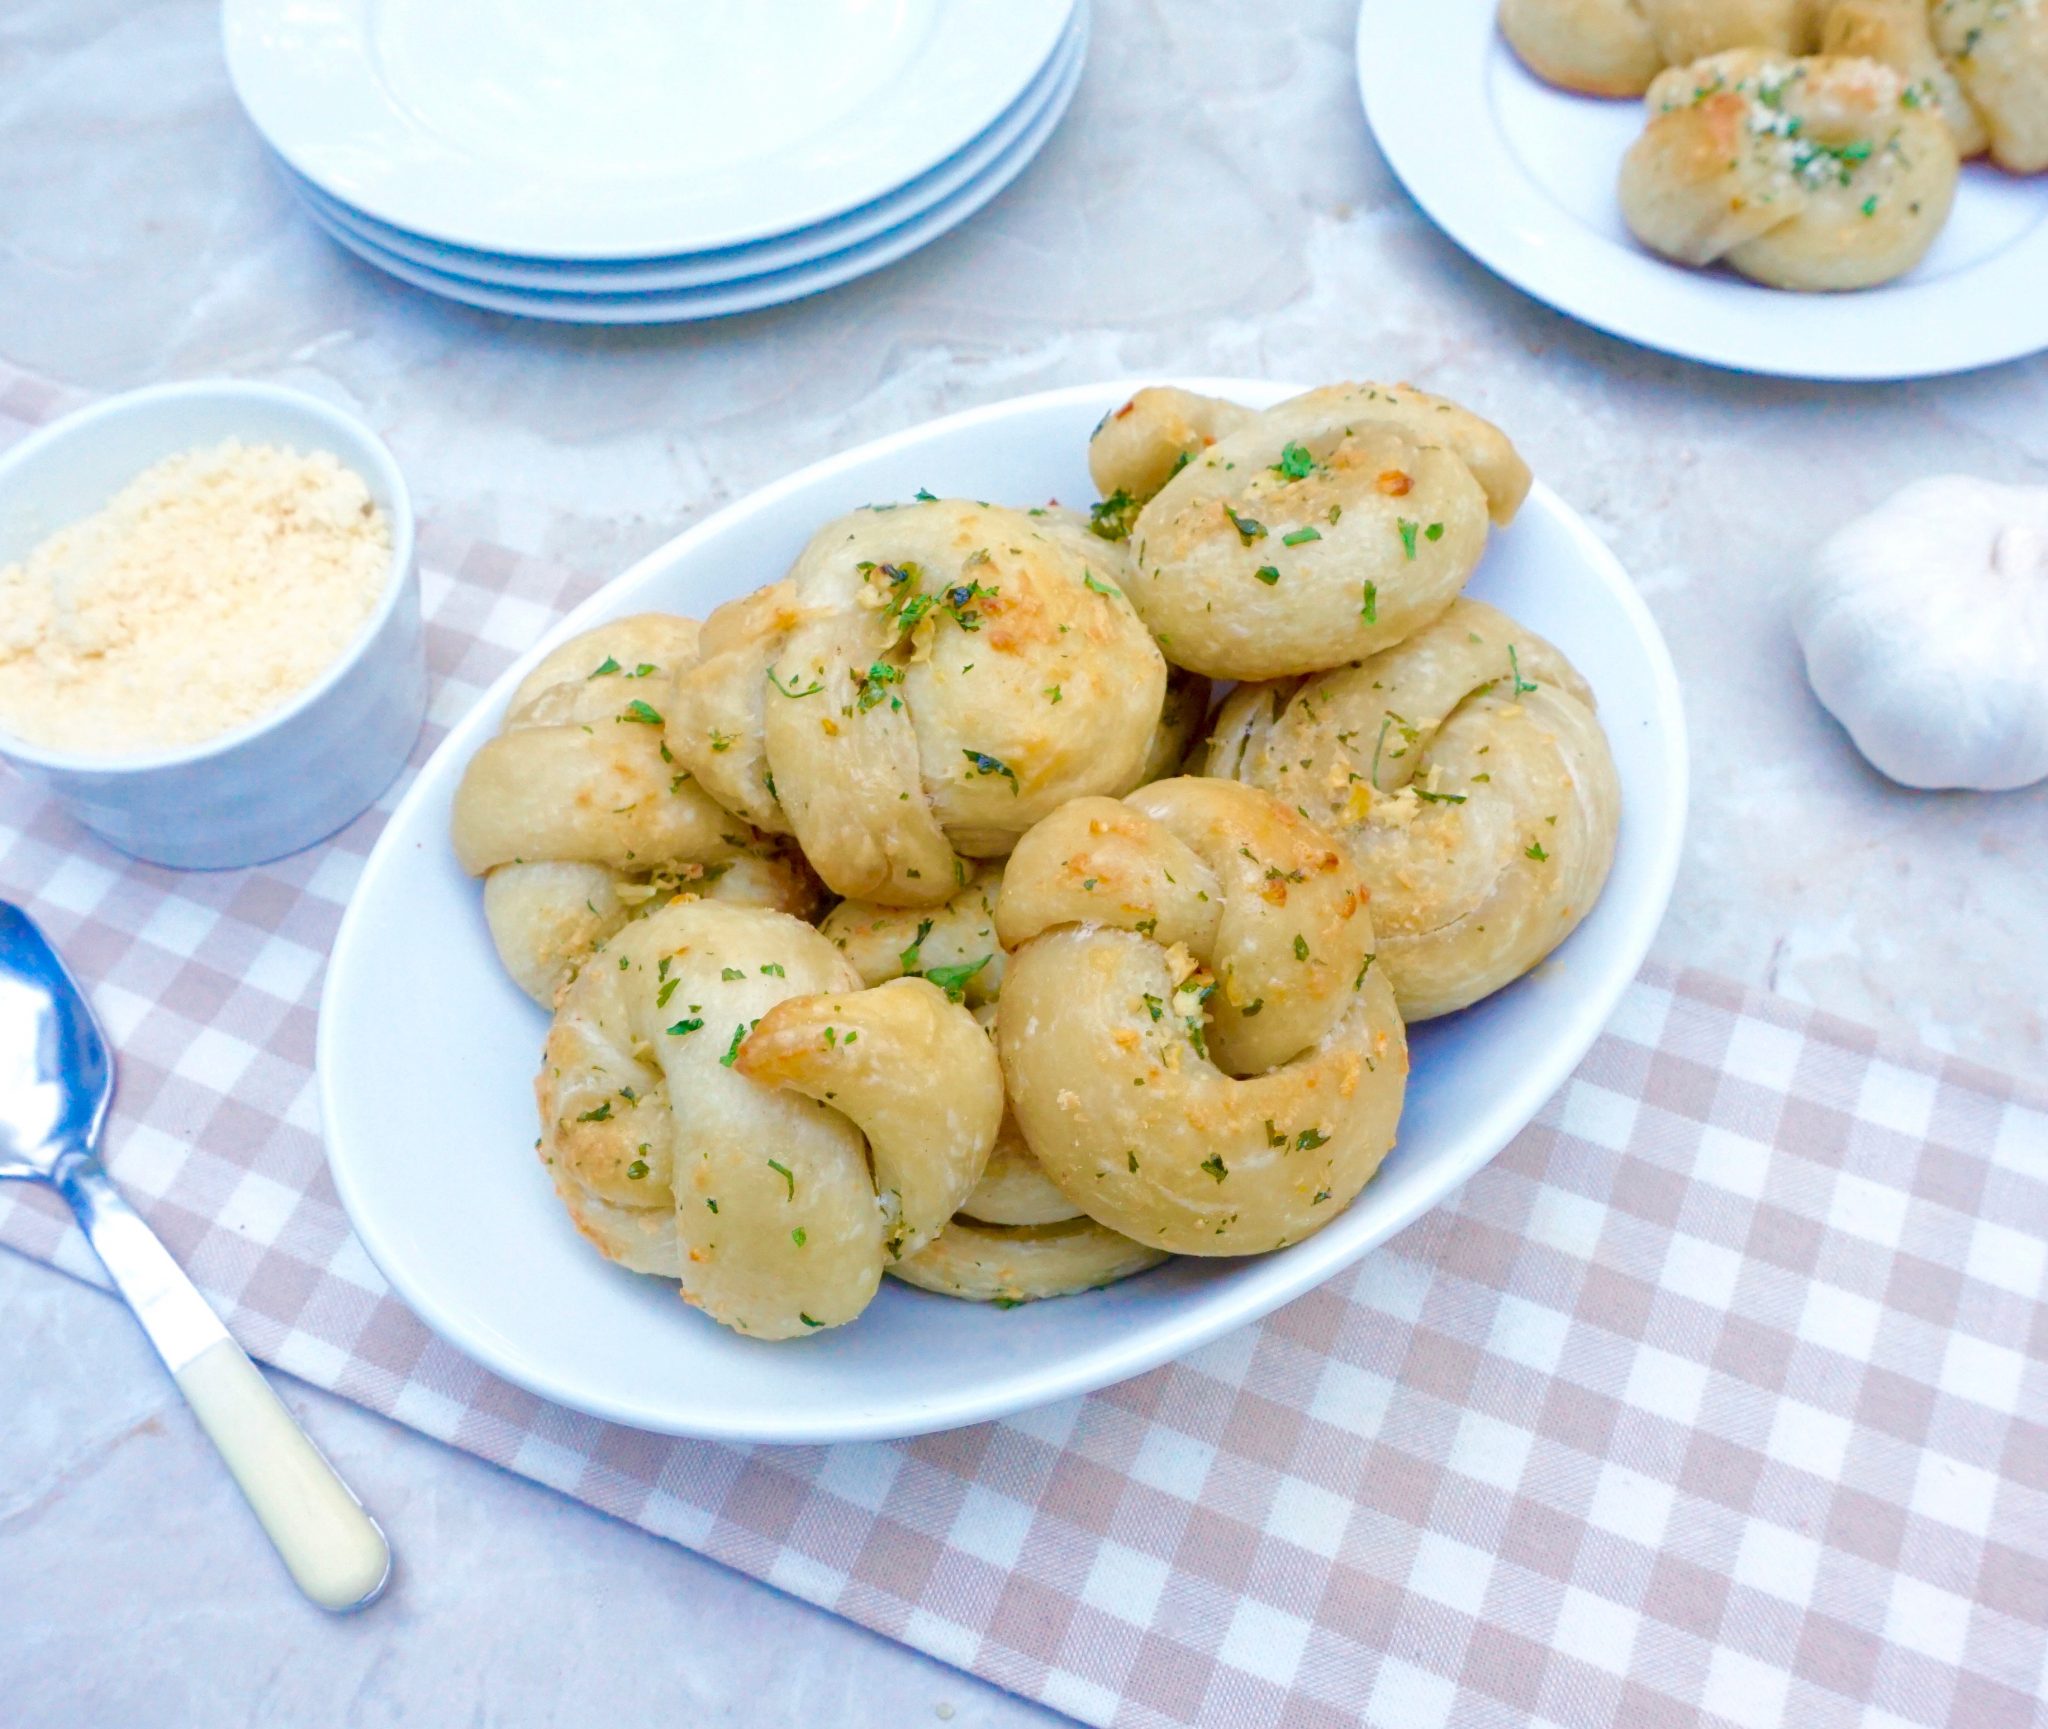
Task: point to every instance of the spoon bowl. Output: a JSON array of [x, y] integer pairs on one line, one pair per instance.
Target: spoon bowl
[[56, 1079]]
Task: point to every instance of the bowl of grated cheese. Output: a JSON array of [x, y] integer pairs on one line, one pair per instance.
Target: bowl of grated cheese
[[210, 641]]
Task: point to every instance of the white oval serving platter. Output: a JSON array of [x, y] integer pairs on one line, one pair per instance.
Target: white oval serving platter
[[426, 1051]]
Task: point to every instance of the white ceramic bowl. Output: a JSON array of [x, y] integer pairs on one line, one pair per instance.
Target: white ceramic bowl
[[291, 776], [427, 1051]]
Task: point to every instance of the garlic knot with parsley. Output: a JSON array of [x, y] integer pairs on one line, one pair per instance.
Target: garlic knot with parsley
[[1814, 173], [928, 681], [1197, 1044], [1467, 776], [1330, 526], [723, 1103], [579, 818]]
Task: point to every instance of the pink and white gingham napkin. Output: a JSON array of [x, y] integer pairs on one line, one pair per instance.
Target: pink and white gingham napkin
[[1721, 1397]]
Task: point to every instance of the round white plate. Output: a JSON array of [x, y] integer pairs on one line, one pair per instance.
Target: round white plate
[[426, 1051], [1522, 176], [587, 129], [730, 264], [720, 300]]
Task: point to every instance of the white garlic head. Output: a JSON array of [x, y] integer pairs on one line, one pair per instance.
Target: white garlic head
[[1925, 632]]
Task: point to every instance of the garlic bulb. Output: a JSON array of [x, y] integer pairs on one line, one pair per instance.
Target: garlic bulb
[[1926, 634]]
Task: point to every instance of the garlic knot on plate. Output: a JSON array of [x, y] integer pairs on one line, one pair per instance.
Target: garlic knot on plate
[[578, 816], [724, 1103], [1617, 47], [927, 682], [1466, 773], [1016, 1236], [1199, 1049], [1597, 47], [1316, 532], [1813, 173], [1998, 52]]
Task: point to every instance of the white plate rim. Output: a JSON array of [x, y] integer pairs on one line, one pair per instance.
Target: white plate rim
[[1262, 1284], [751, 294], [708, 271], [1984, 316], [439, 191]]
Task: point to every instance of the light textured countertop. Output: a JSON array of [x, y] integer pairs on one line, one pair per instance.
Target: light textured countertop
[[1212, 204]]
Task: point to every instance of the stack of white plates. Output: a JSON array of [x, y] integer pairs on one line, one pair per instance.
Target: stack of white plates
[[649, 161]]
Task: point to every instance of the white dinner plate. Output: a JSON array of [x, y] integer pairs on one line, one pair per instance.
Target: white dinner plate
[[1522, 176], [590, 129], [426, 1051], [719, 300], [729, 264]]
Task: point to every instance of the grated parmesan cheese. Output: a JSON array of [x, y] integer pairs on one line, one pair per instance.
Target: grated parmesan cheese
[[210, 590]]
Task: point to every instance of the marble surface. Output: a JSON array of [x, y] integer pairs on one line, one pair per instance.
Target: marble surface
[[1214, 204]]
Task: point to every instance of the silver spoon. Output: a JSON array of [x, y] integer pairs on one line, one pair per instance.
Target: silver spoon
[[56, 1079]]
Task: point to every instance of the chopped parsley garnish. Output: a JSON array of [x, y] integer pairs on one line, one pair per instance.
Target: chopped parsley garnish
[[773, 970], [682, 1029], [1102, 588], [1112, 518], [953, 980], [1535, 851], [1215, 1166], [1370, 611], [1435, 531], [732, 1051], [1251, 1008], [1301, 536], [722, 741], [787, 1175], [1052, 693], [1295, 462], [806, 1319], [874, 686], [639, 713], [608, 667], [799, 1236], [1300, 947], [668, 990], [731, 973], [909, 957], [1268, 574], [1440, 797], [1309, 1139], [958, 602], [1409, 530], [1364, 967], [790, 690], [921, 496], [637, 1169], [1521, 684], [984, 764], [603, 1114], [1247, 530], [1155, 1006]]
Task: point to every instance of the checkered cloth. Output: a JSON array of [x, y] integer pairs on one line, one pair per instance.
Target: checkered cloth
[[1720, 1397]]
